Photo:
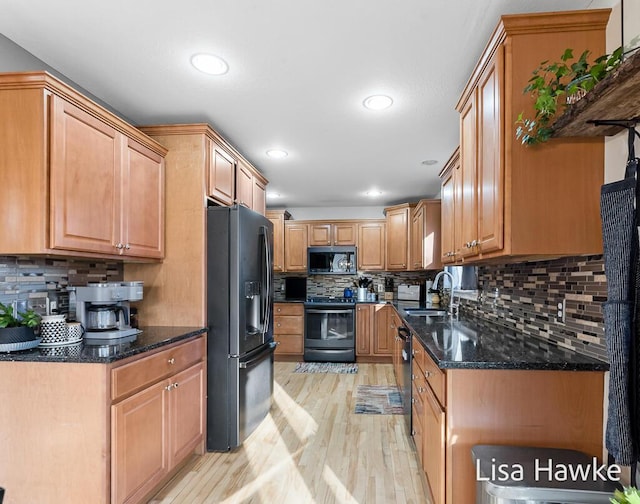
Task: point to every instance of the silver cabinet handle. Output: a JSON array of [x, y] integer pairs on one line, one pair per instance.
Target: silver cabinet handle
[[127, 246], [119, 246], [171, 360], [175, 385], [169, 387], [427, 374]]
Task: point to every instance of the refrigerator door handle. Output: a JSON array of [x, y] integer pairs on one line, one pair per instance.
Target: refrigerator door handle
[[257, 360], [267, 276]]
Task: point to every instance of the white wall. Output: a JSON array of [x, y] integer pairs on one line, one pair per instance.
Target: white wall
[[319, 213]]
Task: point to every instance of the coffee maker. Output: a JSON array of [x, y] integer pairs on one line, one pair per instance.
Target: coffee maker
[[104, 311]]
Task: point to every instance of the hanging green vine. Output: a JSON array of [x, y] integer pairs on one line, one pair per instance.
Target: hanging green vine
[[553, 81]]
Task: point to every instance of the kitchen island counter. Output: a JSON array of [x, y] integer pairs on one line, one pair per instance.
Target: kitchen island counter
[[474, 343], [88, 351]]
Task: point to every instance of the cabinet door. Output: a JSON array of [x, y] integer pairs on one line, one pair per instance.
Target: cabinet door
[[186, 407], [319, 234], [490, 161], [434, 446], [447, 218], [398, 238], [244, 185], [278, 244], [222, 174], [417, 238], [382, 340], [259, 196], [431, 240], [139, 443], [143, 202], [371, 246], [85, 173], [364, 328], [344, 233], [295, 250], [468, 203]]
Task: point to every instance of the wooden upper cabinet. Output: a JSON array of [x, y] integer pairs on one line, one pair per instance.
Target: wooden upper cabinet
[[251, 187], [468, 200], [448, 208], [90, 185], [85, 171], [143, 196], [319, 234], [398, 235], [425, 236], [222, 175], [296, 242], [244, 185], [501, 180], [332, 233], [278, 218], [371, 245], [260, 195]]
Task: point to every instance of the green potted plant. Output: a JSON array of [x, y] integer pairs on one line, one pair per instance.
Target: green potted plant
[[555, 85], [17, 329], [630, 495]]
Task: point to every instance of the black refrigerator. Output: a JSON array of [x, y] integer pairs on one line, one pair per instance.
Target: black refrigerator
[[240, 323]]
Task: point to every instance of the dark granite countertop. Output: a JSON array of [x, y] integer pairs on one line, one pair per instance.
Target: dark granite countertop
[[473, 343], [150, 338]]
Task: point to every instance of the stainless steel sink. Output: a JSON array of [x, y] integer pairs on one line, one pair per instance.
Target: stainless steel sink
[[428, 312]]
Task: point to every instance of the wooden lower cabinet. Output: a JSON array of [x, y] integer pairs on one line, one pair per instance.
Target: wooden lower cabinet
[[101, 433], [288, 330], [456, 409], [372, 332], [166, 422]]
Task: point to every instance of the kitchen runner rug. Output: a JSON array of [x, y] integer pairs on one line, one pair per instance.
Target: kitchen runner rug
[[325, 367], [378, 400]]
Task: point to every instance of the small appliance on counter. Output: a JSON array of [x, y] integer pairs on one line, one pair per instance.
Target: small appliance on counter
[[104, 309], [408, 292], [295, 288], [388, 289]]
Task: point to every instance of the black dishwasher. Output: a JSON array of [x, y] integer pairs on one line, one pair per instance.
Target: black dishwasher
[[404, 380]]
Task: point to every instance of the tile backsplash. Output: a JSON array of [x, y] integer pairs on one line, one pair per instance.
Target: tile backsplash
[[527, 299], [31, 280], [528, 294]]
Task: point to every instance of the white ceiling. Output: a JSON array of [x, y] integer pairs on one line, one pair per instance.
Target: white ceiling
[[299, 70]]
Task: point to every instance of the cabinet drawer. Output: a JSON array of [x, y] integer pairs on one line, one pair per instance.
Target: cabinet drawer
[[435, 378], [288, 324], [289, 343], [143, 372], [288, 309], [418, 355]]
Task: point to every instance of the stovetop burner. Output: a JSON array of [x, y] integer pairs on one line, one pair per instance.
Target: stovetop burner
[[330, 300]]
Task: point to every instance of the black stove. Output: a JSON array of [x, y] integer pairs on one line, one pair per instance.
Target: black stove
[[326, 300]]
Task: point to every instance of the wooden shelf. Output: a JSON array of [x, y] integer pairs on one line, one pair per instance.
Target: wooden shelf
[[617, 96]]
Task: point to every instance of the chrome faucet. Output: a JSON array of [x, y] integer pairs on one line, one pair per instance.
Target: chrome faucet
[[452, 304]]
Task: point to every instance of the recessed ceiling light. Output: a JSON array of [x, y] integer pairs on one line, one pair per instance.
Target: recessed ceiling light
[[373, 193], [377, 102], [430, 162], [277, 153], [209, 64]]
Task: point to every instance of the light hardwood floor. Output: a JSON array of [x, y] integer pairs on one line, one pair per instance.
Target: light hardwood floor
[[311, 448]]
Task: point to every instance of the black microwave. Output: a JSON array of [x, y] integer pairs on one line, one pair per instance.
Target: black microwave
[[331, 260]]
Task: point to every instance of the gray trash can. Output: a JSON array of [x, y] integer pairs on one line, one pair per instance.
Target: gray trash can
[[526, 475]]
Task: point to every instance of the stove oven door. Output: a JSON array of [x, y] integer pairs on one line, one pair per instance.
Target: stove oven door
[[329, 334]]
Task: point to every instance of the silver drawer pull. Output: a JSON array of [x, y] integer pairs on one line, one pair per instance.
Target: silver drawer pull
[[427, 374], [169, 387], [171, 361]]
